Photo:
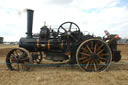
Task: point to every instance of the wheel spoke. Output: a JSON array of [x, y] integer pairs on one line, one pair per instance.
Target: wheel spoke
[[97, 63], [85, 54], [87, 65], [92, 45], [90, 65], [13, 59], [102, 64], [100, 47], [85, 50], [95, 66], [24, 55], [63, 28], [82, 58], [103, 59], [100, 51], [85, 60], [95, 48], [104, 54], [15, 52], [89, 49], [70, 27]]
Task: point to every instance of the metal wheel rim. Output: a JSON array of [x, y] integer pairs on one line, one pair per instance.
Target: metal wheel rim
[[109, 57], [61, 26], [26, 59]]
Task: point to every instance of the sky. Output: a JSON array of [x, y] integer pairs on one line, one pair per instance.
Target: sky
[[93, 16]]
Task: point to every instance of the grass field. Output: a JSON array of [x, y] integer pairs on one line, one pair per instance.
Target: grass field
[[116, 74]]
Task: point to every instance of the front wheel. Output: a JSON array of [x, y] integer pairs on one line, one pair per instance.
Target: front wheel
[[93, 55], [17, 59]]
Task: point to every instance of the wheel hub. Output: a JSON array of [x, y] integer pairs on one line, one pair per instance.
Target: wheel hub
[[94, 56]]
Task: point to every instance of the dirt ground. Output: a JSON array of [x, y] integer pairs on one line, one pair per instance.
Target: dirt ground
[[117, 73]]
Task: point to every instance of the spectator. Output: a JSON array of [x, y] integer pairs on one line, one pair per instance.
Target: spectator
[[107, 34]]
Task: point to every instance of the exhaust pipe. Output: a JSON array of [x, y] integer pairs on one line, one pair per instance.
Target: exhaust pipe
[[29, 22]]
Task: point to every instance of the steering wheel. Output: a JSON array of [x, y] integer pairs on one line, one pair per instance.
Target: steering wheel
[[67, 28]]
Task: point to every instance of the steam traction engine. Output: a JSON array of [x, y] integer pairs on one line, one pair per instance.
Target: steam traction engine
[[67, 44]]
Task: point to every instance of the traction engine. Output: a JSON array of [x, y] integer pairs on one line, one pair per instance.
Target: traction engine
[[66, 45]]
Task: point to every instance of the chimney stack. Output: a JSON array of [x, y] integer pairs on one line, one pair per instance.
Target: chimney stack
[[29, 22]]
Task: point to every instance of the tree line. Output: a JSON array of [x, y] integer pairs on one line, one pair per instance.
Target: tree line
[[1, 39]]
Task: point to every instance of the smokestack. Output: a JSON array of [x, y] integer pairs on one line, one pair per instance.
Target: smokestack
[[29, 22]]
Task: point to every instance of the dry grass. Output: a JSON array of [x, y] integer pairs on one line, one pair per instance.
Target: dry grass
[[2, 46], [117, 74]]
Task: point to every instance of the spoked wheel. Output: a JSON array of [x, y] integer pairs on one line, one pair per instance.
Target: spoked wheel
[[67, 29], [17, 59], [37, 57], [93, 55]]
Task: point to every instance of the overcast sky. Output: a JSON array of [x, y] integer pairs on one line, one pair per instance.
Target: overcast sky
[[93, 16]]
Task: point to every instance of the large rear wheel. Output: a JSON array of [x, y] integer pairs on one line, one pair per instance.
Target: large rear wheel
[[93, 55]]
